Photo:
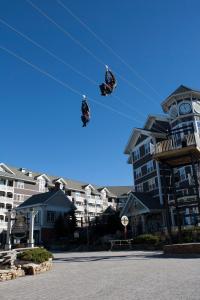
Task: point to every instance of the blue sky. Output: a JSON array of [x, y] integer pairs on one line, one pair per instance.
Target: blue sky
[[40, 118]]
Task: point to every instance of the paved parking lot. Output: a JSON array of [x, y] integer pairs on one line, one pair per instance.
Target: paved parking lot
[[110, 275]]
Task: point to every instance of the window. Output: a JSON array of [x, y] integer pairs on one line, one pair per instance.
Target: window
[[152, 184], [42, 184], [88, 191], [2, 182], [17, 197], [51, 216], [2, 194], [150, 166], [10, 182], [20, 184], [2, 205], [146, 148], [138, 173], [37, 218], [145, 186], [10, 195], [182, 174], [139, 187], [137, 154], [103, 194], [9, 206]]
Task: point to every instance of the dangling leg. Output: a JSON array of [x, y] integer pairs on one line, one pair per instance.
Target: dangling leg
[[83, 120], [103, 89]]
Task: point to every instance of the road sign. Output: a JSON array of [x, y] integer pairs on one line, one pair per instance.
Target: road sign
[[124, 220]]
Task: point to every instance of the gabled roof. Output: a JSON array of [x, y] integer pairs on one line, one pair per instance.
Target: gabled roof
[[136, 134], [90, 186], [109, 211], [60, 179], [43, 198], [148, 200], [182, 90], [146, 203], [73, 185], [151, 119], [120, 191], [6, 168], [108, 192], [42, 175], [16, 174], [38, 199]]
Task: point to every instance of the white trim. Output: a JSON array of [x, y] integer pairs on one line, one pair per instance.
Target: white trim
[[90, 186], [128, 205], [61, 179], [136, 134], [6, 168], [43, 176]]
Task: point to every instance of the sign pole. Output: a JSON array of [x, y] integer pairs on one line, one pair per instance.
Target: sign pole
[[125, 221], [125, 232]]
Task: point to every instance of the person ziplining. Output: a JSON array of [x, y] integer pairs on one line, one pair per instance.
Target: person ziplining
[[85, 117], [110, 83]]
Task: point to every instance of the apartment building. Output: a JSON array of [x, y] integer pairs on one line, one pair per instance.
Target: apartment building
[[19, 184], [165, 159]]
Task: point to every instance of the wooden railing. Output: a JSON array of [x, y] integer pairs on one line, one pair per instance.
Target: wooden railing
[[173, 143]]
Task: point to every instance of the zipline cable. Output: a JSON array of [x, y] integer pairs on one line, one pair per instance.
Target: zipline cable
[[62, 61], [86, 49], [62, 82], [107, 46]]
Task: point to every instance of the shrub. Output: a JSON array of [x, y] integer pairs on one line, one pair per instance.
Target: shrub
[[37, 255], [146, 239]]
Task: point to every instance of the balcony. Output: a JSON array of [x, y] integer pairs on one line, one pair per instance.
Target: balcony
[[6, 200], [6, 188], [177, 152], [91, 200], [91, 209], [80, 208]]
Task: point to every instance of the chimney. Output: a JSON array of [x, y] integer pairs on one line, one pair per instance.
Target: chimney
[[23, 170], [57, 186], [30, 174]]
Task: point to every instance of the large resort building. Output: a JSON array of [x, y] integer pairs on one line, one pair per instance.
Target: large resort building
[[90, 201], [165, 157]]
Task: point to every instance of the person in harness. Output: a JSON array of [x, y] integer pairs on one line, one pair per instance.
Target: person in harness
[[85, 117], [110, 83]]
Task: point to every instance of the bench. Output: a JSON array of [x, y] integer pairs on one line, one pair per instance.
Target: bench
[[121, 243]]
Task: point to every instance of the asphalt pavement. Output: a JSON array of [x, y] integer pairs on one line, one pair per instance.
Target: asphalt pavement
[[134, 275]]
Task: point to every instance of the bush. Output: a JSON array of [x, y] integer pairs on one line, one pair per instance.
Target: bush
[[37, 255], [148, 239]]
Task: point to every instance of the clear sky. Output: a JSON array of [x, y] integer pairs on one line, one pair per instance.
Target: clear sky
[[40, 117]]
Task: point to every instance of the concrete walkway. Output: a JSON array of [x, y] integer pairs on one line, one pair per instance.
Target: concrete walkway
[[110, 275]]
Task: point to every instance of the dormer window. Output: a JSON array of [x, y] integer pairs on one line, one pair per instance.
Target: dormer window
[[42, 184], [88, 191], [103, 194]]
